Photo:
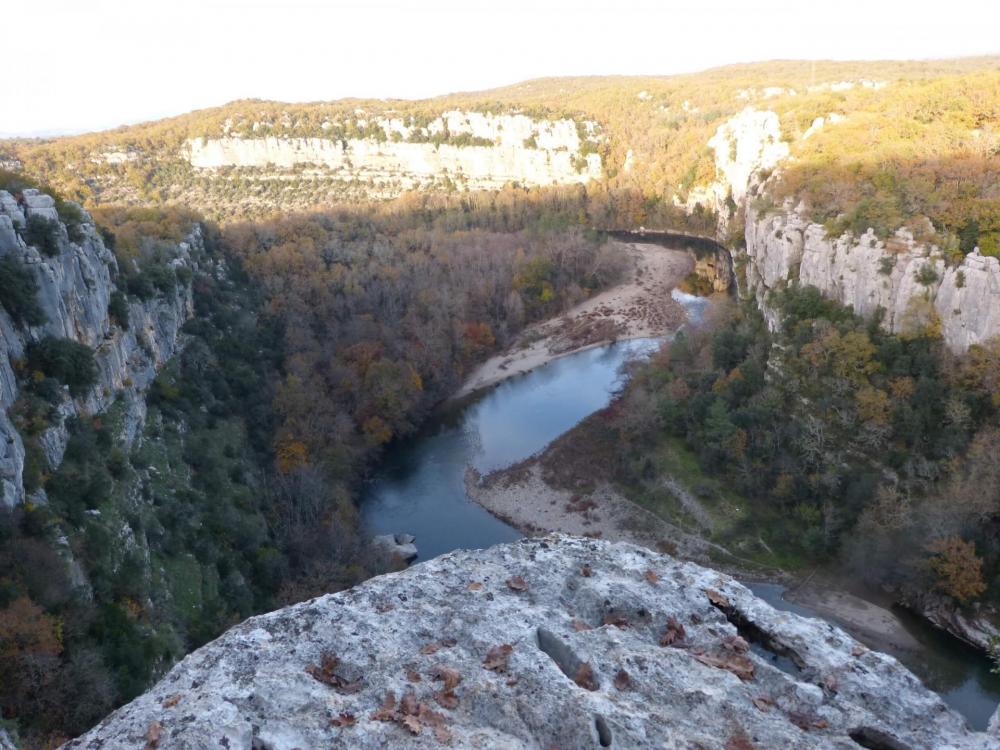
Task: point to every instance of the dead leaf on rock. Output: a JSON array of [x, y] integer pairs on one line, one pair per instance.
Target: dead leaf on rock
[[517, 583], [651, 576], [586, 571], [717, 599], [736, 644], [617, 619], [739, 741], [387, 711], [763, 704], [738, 664], [430, 648], [858, 650], [673, 634], [474, 586], [450, 677], [412, 675], [325, 673], [584, 677], [172, 701], [412, 724], [496, 658], [344, 720], [622, 680], [153, 735], [579, 626]]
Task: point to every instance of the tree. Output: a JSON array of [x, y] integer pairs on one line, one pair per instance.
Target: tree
[[958, 568]]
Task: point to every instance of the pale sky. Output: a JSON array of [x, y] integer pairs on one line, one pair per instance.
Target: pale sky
[[79, 65]]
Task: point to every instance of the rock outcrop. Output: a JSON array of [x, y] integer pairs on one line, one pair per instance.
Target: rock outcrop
[[551, 642], [908, 280], [471, 150], [74, 290]]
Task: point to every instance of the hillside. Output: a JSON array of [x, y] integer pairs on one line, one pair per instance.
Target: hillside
[[649, 135]]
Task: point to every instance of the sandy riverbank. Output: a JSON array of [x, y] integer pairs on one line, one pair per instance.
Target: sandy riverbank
[[640, 307]]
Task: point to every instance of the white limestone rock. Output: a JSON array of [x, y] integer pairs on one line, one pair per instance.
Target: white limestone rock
[[37, 203], [867, 274], [555, 601]]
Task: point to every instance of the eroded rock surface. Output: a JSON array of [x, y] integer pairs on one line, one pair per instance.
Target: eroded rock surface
[[554, 642]]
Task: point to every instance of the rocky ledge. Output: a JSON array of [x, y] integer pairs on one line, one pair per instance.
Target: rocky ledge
[[550, 642]]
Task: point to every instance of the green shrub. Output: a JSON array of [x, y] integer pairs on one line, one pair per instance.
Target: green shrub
[[118, 309], [67, 361], [44, 234], [19, 292]]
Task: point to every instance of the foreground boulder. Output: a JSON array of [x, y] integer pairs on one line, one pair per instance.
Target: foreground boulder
[[553, 642]]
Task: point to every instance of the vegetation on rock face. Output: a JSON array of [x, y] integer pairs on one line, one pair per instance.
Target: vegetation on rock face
[[69, 362], [19, 292]]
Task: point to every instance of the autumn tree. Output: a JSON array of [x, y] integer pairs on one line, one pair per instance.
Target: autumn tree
[[958, 568]]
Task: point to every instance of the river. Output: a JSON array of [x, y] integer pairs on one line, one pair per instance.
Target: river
[[420, 489]]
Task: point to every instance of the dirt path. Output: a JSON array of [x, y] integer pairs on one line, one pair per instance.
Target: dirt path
[[641, 307]]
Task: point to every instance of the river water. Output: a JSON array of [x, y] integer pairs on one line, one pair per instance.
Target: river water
[[420, 489]]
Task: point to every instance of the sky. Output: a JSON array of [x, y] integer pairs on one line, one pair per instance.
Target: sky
[[80, 65]]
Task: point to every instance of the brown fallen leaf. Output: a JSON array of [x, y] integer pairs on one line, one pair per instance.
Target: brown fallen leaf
[[622, 680], [172, 701], [153, 735], [412, 724], [739, 741], [673, 634], [326, 674], [449, 676], [344, 720], [858, 650], [474, 586], [446, 699], [517, 583], [584, 677], [430, 648], [651, 576], [579, 626], [387, 711], [738, 664], [763, 704], [807, 722], [830, 683], [736, 644], [586, 571], [695, 618], [617, 619], [496, 658], [412, 675], [717, 599]]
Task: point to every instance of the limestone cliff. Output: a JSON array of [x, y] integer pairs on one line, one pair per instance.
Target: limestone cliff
[[471, 150], [75, 284], [551, 642], [907, 280]]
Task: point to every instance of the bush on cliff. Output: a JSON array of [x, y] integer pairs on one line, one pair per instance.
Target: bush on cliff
[[68, 361], [19, 293]]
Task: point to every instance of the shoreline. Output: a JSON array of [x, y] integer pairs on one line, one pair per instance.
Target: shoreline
[[639, 307]]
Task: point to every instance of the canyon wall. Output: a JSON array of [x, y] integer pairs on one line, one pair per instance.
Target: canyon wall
[[74, 289], [471, 150]]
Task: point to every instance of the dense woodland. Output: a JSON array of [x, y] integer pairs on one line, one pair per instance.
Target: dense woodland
[[838, 442]]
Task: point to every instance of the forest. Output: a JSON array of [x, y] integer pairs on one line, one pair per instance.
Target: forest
[[842, 444]]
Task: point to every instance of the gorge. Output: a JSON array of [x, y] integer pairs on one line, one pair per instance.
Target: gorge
[[411, 318]]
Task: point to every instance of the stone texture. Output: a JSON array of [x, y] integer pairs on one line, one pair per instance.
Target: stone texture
[[584, 621], [866, 274]]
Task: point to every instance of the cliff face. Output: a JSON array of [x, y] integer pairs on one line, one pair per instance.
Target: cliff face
[[552, 642], [906, 279], [75, 285], [472, 150]]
